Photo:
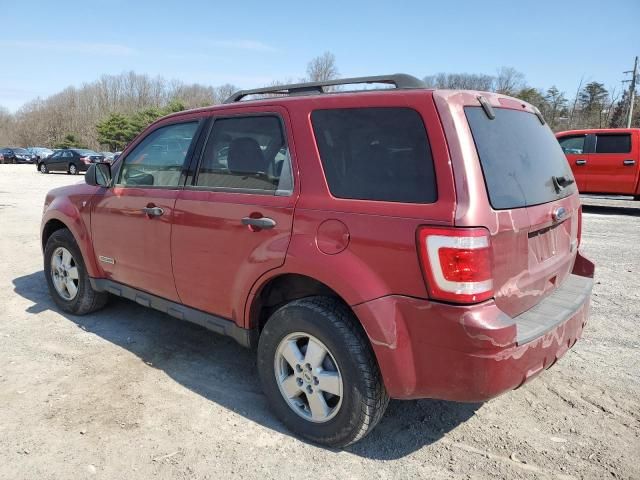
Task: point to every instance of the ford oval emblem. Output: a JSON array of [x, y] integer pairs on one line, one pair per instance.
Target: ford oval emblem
[[559, 214]]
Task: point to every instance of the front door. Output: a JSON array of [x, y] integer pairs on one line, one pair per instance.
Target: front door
[[573, 147], [131, 221], [613, 165], [57, 161], [233, 223]]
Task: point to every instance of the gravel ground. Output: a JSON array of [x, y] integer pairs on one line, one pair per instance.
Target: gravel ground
[[132, 393]]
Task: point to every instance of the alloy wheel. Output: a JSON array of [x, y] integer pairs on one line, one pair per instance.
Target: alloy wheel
[[64, 273], [308, 377]]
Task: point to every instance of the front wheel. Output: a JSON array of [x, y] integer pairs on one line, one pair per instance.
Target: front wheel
[[319, 373], [73, 170], [43, 168], [67, 276]]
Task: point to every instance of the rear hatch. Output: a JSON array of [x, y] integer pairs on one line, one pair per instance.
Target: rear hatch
[[534, 197]]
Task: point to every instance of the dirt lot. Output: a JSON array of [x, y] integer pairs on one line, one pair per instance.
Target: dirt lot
[[132, 393]]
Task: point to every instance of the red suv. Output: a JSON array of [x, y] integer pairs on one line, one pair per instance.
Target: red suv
[[400, 242]]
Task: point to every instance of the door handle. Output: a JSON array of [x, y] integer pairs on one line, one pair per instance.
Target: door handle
[[262, 223], [153, 211], [581, 162], [628, 163]]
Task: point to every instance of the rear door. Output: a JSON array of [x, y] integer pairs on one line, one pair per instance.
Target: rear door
[[131, 221], [574, 147], [234, 218], [536, 207], [613, 166]]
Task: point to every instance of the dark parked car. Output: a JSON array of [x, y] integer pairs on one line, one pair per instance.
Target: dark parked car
[[40, 152], [401, 243], [70, 160], [16, 155]]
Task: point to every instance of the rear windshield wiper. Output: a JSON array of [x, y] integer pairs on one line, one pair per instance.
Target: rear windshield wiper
[[561, 182]]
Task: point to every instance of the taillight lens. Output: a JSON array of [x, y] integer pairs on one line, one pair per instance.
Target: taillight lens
[[86, 160], [456, 263]]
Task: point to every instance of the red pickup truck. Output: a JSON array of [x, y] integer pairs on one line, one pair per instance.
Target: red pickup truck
[[604, 160]]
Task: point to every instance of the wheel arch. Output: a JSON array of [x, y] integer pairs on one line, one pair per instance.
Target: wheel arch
[[49, 228], [64, 215], [281, 289]]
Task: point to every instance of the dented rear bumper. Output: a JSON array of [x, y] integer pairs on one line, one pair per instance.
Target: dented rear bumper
[[472, 353]]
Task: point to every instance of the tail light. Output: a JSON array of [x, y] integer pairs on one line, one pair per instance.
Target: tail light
[[456, 263], [86, 160]]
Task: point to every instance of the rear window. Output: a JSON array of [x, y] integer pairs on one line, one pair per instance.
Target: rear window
[[519, 158], [613, 143], [375, 154]]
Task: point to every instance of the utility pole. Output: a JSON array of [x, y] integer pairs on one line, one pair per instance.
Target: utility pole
[[632, 90]]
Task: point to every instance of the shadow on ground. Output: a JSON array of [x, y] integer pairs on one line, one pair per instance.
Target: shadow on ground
[[222, 371], [611, 210]]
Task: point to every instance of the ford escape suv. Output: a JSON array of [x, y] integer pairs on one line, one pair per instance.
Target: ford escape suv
[[392, 243]]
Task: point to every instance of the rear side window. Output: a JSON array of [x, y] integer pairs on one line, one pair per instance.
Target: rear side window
[[247, 154], [572, 145], [375, 154], [519, 157], [613, 143]]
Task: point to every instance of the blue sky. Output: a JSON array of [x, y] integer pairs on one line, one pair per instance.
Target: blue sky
[[46, 46]]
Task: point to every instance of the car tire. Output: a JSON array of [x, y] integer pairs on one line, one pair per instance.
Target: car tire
[[358, 398], [83, 298], [73, 169], [43, 168]]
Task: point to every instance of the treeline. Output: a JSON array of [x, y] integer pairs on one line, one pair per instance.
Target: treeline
[[592, 105], [76, 112], [109, 112]]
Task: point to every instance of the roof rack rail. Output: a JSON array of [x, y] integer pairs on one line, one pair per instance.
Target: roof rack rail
[[400, 80]]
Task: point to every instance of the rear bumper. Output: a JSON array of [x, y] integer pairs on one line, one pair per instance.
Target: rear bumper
[[472, 353]]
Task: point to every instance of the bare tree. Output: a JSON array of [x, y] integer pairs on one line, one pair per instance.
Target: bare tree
[[508, 81], [572, 113], [322, 68], [463, 81], [223, 92]]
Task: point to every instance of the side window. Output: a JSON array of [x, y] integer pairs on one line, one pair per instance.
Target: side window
[[375, 154], [613, 143], [158, 159], [246, 153], [67, 154], [572, 145]]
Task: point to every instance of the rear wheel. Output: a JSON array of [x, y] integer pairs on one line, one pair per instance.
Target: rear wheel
[[67, 276], [43, 168], [73, 170], [319, 373]]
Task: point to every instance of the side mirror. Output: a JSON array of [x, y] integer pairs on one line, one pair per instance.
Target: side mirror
[[98, 175]]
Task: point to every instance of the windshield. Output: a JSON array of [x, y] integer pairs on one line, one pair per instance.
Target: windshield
[[521, 159], [21, 151]]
